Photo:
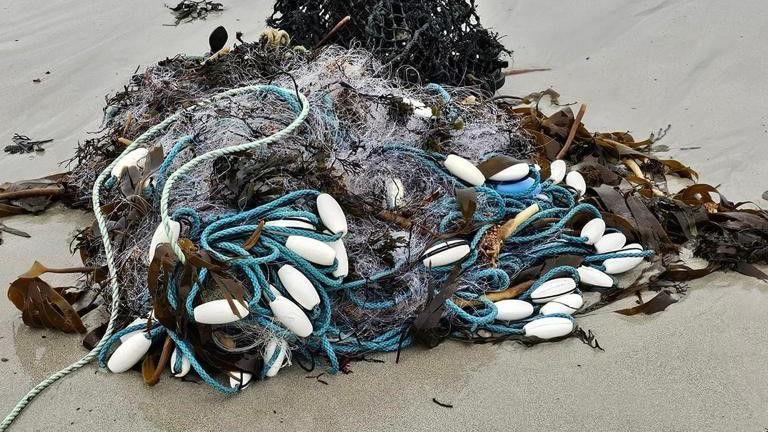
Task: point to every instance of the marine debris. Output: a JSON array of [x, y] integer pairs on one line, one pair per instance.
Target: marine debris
[[279, 205], [25, 144], [190, 10], [420, 41]]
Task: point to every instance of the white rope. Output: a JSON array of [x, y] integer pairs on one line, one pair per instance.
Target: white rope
[[102, 223]]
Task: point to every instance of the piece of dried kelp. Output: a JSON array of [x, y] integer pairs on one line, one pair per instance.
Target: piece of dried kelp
[[191, 10], [426, 327], [43, 306], [442, 404], [658, 303], [25, 144]]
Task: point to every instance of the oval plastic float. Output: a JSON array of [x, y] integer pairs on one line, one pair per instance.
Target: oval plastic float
[[621, 265], [610, 242], [342, 269], [129, 353], [567, 304], [395, 193], [594, 277], [518, 188], [575, 180], [185, 364], [219, 312], [240, 380], [464, 170], [331, 214], [557, 171], [298, 286], [549, 327], [137, 321], [298, 223], [593, 230], [553, 288], [272, 346], [513, 310], [445, 253], [311, 250], [633, 246], [161, 236], [291, 316], [511, 173]]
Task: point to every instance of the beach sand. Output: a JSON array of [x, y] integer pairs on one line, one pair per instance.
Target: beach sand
[[639, 65]]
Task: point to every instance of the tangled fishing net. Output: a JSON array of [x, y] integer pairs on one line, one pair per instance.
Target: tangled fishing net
[[270, 204], [438, 41]]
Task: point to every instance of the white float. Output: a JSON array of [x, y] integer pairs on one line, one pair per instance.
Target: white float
[[219, 312], [161, 236], [610, 242], [129, 353], [464, 170], [185, 364], [299, 223], [291, 316], [511, 173], [557, 171], [593, 230], [272, 346], [395, 193], [553, 288], [575, 180], [513, 310], [445, 253], [594, 277], [298, 286], [240, 380], [567, 304], [331, 214], [549, 327], [342, 269], [311, 250], [622, 264]]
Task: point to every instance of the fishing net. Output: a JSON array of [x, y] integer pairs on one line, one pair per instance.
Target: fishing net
[[421, 41]]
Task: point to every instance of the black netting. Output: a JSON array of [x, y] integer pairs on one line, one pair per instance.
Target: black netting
[[422, 41]]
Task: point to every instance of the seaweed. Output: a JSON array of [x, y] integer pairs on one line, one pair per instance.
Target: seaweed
[[25, 144], [190, 10]]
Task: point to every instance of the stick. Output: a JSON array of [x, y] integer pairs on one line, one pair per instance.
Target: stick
[[30, 193], [508, 293], [572, 133], [509, 72], [164, 357], [344, 21]]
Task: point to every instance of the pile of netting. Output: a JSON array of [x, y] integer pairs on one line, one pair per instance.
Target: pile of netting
[[315, 211], [422, 41]]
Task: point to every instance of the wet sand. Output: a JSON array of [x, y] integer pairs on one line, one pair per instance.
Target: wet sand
[[639, 65]]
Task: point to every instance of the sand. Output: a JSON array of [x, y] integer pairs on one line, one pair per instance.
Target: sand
[[639, 65]]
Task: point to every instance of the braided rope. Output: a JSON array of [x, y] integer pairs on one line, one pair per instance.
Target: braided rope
[[102, 223]]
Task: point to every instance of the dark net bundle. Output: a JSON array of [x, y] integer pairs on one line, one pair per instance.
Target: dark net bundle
[[438, 41]]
